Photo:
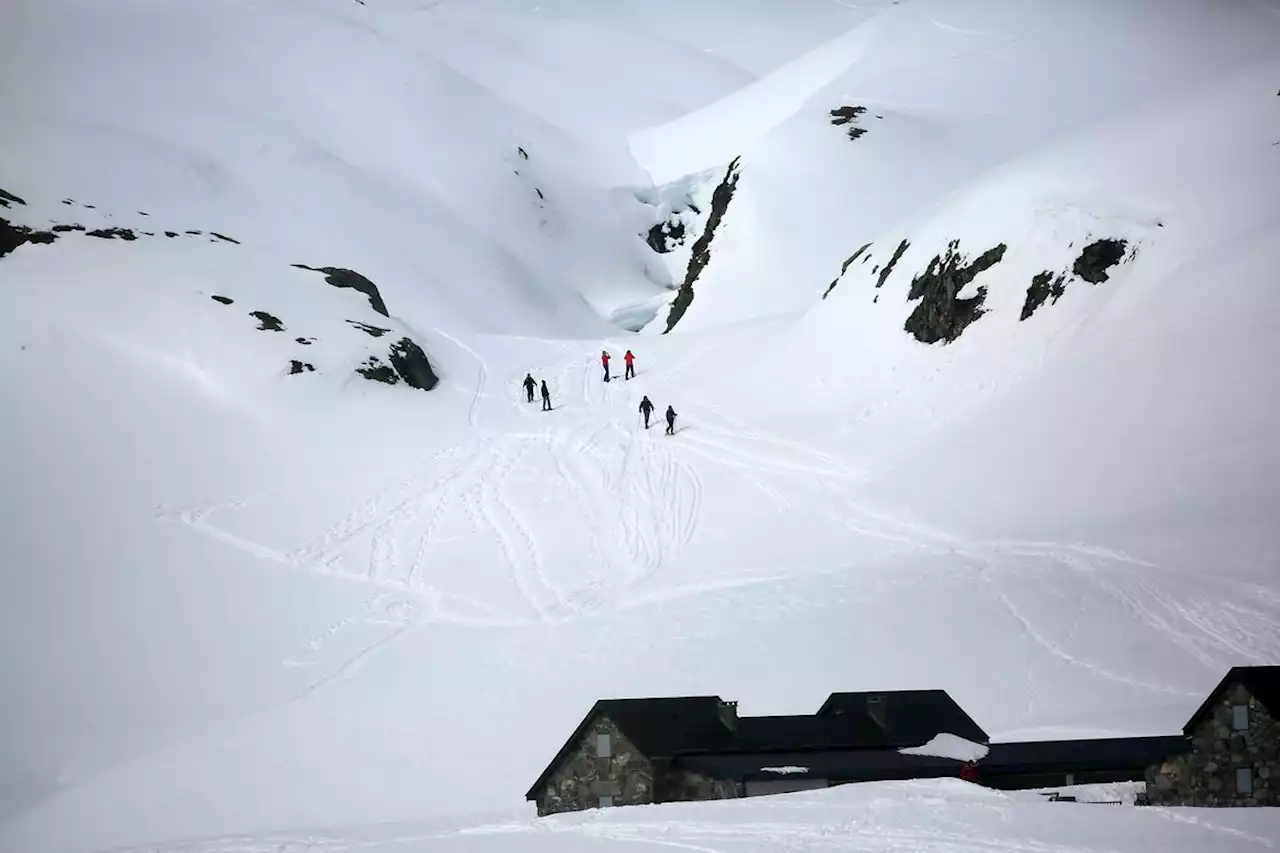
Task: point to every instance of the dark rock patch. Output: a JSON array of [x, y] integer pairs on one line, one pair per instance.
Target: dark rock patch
[[540, 195], [171, 234], [114, 233], [1043, 285], [306, 342], [888, 268], [91, 206], [665, 236], [13, 236], [64, 228], [296, 366], [223, 237], [339, 277], [195, 233], [7, 198], [942, 315], [701, 255], [844, 267], [524, 155], [149, 233], [269, 323], [411, 363], [225, 300], [374, 369], [68, 201], [143, 213], [1097, 257], [848, 117], [374, 331]]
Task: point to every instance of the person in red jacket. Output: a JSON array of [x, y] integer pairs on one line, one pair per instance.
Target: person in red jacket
[[604, 359], [631, 365]]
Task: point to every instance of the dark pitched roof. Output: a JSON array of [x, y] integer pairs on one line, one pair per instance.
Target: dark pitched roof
[[1262, 681], [659, 727], [791, 734], [1092, 754], [910, 717]]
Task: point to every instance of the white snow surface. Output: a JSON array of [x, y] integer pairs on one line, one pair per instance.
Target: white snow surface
[[947, 745], [235, 601]]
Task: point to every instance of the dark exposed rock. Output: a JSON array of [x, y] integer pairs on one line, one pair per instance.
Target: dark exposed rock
[[524, 155], [225, 300], [1043, 285], [114, 233], [1096, 258], [91, 206], [849, 116], [269, 323], [171, 234], [374, 369], [374, 331], [296, 366], [143, 213], [6, 198], [306, 342], [844, 267], [68, 201], [339, 277], [942, 315], [195, 233], [701, 255], [666, 235], [13, 236], [223, 237], [539, 192], [888, 268], [411, 363], [149, 233], [64, 228]]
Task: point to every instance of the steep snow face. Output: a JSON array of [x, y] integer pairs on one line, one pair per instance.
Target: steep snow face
[[246, 598]]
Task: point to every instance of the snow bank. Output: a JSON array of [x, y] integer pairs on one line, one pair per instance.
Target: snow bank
[[948, 746]]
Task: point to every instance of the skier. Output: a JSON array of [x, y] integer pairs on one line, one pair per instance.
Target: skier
[[546, 397], [631, 366], [528, 386], [646, 408], [671, 421], [604, 359]]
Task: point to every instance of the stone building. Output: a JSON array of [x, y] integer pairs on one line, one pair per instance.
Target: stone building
[[1233, 757]]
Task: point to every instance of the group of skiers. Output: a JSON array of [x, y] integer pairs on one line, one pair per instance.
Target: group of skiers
[[646, 407]]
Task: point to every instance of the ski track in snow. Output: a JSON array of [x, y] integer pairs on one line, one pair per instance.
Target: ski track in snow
[[638, 503]]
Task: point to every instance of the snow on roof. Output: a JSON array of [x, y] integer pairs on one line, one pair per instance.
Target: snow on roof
[[948, 746]]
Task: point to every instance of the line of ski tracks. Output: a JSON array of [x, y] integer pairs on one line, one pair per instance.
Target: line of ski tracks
[[621, 503]]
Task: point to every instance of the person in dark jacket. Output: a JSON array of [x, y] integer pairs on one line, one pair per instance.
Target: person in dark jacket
[[646, 409], [546, 397], [671, 421], [528, 386]]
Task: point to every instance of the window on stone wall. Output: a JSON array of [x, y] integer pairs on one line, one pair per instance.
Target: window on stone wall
[[1244, 780], [606, 801], [1240, 717], [604, 748]]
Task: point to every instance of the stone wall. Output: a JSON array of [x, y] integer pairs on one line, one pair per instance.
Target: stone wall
[[582, 778], [682, 786], [1207, 776]]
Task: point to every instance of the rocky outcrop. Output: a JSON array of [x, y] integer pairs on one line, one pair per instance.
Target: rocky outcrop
[[701, 255], [845, 268], [372, 331], [296, 366], [893, 261], [8, 199], [339, 277], [374, 369], [225, 300], [411, 363], [1098, 257], [1043, 285], [666, 235], [268, 322], [223, 238], [848, 117], [1227, 765], [942, 314], [13, 236], [114, 234]]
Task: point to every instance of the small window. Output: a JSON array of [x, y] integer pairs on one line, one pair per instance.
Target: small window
[[1244, 780], [1070, 779], [604, 748], [606, 801], [1239, 717]]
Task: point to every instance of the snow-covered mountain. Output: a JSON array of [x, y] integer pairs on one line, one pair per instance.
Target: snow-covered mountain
[[965, 309]]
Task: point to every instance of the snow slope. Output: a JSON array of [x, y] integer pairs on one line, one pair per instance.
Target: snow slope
[[239, 600]]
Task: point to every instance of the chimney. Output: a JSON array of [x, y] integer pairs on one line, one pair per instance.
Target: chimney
[[729, 715]]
